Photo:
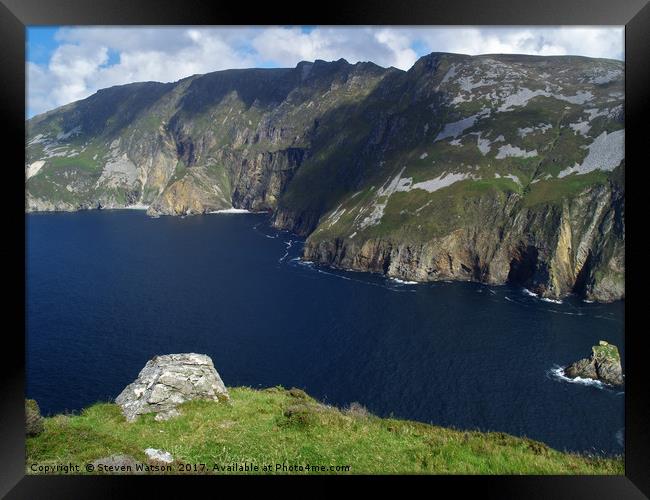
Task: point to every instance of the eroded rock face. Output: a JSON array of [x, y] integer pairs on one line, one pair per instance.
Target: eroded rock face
[[604, 365], [169, 380], [553, 250]]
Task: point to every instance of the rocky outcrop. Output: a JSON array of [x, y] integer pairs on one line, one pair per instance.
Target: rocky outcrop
[[159, 455], [169, 380], [604, 365], [261, 178], [195, 193], [299, 222], [33, 418], [33, 204]]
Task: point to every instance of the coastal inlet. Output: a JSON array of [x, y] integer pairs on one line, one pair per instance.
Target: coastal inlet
[[109, 290]]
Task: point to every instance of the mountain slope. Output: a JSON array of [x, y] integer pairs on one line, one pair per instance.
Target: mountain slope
[[489, 168], [203, 143]]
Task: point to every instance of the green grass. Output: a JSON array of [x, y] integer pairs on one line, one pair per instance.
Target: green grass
[[222, 179], [549, 191], [606, 351], [277, 426], [81, 162], [418, 215], [50, 184], [179, 173]]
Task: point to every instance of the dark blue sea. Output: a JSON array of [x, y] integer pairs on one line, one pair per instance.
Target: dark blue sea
[[108, 290]]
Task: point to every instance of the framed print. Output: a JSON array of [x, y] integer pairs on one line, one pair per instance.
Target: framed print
[[377, 241]]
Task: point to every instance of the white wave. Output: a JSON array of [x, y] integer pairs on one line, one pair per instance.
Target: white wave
[[545, 299], [403, 282], [620, 436], [137, 206], [608, 319], [557, 372], [232, 211], [286, 254], [386, 286], [336, 275], [566, 312], [554, 301]]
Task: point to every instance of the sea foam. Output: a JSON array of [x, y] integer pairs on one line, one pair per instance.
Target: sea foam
[[557, 372], [232, 211]]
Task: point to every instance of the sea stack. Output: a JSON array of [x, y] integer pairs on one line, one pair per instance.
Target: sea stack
[[604, 365]]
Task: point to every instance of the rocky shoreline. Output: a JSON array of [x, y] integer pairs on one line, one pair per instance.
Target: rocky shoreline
[[503, 262], [554, 251]]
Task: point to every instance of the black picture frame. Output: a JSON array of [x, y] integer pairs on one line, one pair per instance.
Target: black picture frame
[[15, 15]]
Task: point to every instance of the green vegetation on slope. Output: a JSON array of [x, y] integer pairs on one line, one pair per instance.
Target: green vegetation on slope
[[605, 351], [277, 426], [553, 191]]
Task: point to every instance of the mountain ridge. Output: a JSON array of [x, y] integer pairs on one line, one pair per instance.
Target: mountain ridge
[[491, 168]]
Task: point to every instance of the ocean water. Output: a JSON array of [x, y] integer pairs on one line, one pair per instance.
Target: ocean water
[[108, 290]]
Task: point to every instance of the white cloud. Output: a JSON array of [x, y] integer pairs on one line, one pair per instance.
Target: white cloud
[[72, 68], [288, 46], [399, 43], [566, 40], [38, 88], [90, 58]]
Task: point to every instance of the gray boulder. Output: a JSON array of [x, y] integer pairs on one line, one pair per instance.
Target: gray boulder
[[33, 419], [604, 364], [169, 380], [159, 455]]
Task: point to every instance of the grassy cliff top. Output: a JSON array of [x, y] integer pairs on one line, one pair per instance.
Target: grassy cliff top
[[278, 426], [606, 352]]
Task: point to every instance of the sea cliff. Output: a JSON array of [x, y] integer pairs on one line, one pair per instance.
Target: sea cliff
[[494, 168]]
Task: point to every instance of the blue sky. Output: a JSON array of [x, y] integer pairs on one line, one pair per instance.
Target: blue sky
[[65, 64]]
